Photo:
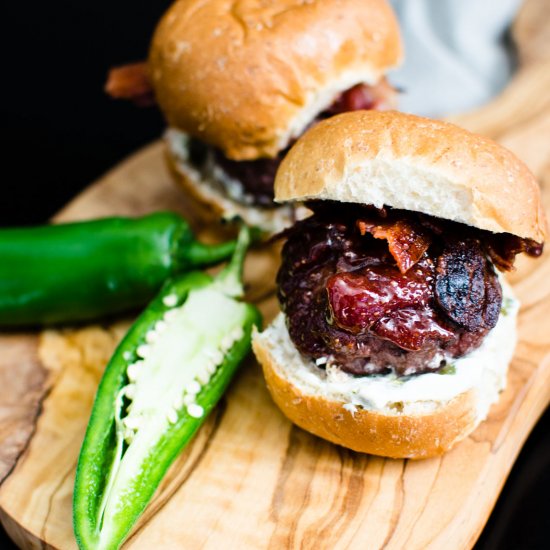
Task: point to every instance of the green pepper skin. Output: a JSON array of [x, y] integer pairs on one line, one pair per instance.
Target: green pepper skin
[[99, 441], [86, 270], [98, 450]]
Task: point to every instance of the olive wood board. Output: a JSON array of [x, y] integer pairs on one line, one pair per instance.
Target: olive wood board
[[250, 479]]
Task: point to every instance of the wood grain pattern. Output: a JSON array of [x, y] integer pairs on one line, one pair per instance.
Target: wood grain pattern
[[20, 406], [250, 479]]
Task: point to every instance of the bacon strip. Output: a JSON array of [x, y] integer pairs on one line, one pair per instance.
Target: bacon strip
[[381, 97], [407, 241], [131, 82], [503, 249]]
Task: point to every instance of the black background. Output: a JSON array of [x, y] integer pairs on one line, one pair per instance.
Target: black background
[[59, 132]]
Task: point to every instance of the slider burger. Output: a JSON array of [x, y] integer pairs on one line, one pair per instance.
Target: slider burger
[[238, 82], [396, 328]]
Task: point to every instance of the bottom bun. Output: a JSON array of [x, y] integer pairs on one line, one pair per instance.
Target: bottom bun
[[413, 417], [214, 201]]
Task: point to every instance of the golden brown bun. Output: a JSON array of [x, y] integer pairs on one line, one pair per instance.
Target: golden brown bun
[[395, 436], [247, 76], [399, 424], [414, 163]]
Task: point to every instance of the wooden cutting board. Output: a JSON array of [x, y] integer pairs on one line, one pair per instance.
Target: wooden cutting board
[[250, 479]]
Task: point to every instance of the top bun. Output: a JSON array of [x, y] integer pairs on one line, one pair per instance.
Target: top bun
[[248, 75], [414, 163]]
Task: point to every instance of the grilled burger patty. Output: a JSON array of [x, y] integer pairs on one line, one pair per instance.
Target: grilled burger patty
[[379, 290]]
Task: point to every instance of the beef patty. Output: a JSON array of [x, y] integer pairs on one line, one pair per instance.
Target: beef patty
[[379, 290]]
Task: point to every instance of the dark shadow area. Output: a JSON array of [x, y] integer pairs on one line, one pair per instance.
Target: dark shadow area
[[59, 131]]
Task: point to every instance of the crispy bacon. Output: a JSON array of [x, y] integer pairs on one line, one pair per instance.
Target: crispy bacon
[[503, 248], [381, 96], [131, 82], [407, 241]]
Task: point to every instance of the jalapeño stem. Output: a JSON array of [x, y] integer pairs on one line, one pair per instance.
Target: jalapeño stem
[[196, 254], [230, 278]]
